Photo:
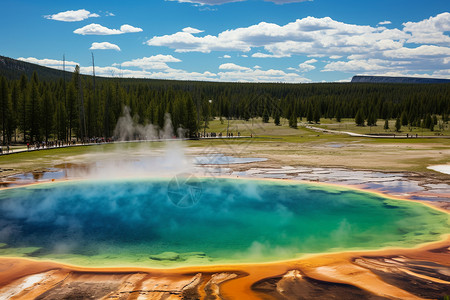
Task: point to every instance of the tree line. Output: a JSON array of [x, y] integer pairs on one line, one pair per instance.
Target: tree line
[[82, 107]]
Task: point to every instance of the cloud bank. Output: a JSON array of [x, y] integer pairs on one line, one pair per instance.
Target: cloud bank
[[418, 47]]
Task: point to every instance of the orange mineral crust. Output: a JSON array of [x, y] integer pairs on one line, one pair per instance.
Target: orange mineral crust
[[420, 273]]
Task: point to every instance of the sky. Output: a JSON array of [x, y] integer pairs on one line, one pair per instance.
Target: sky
[[295, 41]]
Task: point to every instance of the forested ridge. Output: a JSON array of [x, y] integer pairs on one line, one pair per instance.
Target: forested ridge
[[84, 107]]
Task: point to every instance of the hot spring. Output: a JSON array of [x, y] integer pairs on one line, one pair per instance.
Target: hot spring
[[160, 222]]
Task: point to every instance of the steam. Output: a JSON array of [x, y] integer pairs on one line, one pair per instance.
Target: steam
[[128, 129]]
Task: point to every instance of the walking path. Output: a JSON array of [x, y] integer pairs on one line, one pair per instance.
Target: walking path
[[395, 136]]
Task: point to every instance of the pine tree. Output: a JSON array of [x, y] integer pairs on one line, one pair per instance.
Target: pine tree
[[317, 114], [309, 113], [404, 118], [293, 120], [3, 106], [33, 110], [338, 114], [398, 124], [277, 118], [386, 124], [359, 118], [265, 116], [191, 118], [371, 120], [428, 121]]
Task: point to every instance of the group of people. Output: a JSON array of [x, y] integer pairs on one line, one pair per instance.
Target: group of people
[[214, 134]]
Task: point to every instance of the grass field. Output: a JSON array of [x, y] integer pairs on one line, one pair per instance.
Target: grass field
[[281, 145]]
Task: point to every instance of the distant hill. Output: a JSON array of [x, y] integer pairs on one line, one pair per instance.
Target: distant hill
[[387, 79], [13, 69]]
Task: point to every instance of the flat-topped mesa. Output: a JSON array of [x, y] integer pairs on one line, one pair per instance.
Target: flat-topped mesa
[[388, 79]]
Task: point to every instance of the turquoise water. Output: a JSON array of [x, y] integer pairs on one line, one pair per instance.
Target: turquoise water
[[165, 223]]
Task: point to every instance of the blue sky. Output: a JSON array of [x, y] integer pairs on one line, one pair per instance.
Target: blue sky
[[232, 40]]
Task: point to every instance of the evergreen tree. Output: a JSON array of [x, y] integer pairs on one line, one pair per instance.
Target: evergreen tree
[[317, 115], [371, 120], [277, 118], [33, 111], [427, 122], [265, 116], [359, 118], [293, 120], [3, 106], [338, 115], [386, 124], [309, 114], [191, 118], [398, 124], [46, 116], [404, 118]]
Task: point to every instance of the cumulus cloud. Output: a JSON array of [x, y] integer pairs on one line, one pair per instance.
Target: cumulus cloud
[[226, 56], [72, 15], [97, 29], [52, 63], [129, 29], [156, 62], [104, 46], [429, 31], [385, 23], [365, 48], [231, 66], [304, 36], [307, 65]]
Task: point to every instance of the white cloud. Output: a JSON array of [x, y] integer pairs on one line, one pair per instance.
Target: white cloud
[[156, 62], [429, 31], [226, 56], [129, 29], [419, 52], [259, 75], [265, 55], [192, 30], [307, 65], [72, 15], [357, 65], [322, 36], [97, 29], [231, 66], [104, 46], [366, 47], [51, 63], [229, 72], [385, 23]]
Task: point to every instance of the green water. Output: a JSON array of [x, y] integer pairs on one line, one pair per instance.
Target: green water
[[167, 223]]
